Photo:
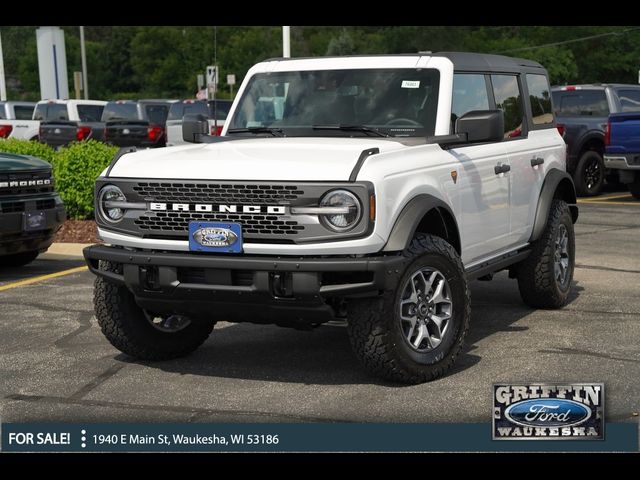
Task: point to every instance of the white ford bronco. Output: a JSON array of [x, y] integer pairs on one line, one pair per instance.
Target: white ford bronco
[[365, 189]]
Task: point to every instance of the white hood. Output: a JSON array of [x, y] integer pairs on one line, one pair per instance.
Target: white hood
[[315, 159]]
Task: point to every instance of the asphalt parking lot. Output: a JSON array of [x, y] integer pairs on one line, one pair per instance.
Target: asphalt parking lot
[[55, 364]]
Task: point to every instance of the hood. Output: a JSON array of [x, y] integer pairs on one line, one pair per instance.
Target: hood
[[311, 159], [19, 163]]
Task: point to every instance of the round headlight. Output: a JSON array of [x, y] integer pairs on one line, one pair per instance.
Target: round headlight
[[108, 195], [341, 222]]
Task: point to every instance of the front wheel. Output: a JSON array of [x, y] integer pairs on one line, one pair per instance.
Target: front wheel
[[414, 333], [545, 276], [142, 334]]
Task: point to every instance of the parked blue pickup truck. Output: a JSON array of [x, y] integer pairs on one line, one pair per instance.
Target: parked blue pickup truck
[[622, 154], [581, 117]]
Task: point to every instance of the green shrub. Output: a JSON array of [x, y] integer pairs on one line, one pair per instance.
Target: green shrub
[[76, 168], [28, 147]]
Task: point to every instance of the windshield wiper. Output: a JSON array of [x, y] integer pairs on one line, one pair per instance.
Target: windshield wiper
[[352, 128], [276, 132]]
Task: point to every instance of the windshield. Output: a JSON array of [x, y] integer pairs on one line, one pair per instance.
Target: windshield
[[396, 102]]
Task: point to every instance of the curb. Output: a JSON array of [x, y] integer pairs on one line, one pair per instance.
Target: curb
[[65, 251]]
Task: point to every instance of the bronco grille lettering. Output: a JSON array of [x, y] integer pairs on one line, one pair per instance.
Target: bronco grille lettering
[[25, 183], [209, 207]]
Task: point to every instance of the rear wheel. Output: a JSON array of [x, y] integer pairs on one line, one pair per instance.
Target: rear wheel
[[414, 333], [18, 259], [544, 277], [589, 174]]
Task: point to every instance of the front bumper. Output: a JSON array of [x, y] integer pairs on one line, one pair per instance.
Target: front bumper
[[618, 161], [260, 289], [13, 237]]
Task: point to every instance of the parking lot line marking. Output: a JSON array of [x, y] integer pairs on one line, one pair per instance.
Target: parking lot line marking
[[601, 202], [42, 278], [612, 197]]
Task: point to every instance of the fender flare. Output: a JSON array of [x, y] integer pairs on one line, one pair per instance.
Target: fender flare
[[552, 181], [410, 217]]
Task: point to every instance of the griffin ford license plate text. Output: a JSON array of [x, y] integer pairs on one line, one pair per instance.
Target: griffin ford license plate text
[[215, 237]]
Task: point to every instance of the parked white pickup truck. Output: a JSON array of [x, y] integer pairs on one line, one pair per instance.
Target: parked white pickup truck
[[16, 120]]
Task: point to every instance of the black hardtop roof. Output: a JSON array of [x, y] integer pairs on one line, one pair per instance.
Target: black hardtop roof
[[488, 62], [462, 61]]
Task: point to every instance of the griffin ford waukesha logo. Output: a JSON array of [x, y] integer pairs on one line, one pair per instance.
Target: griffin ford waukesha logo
[[215, 237], [208, 207], [26, 183], [548, 412]]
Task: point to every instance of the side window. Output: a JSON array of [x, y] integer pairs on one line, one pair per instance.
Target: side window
[[629, 100], [540, 99], [469, 93], [23, 112], [509, 100]]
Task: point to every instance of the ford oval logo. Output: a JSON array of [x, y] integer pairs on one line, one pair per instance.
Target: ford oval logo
[[126, 131], [215, 237], [548, 412]]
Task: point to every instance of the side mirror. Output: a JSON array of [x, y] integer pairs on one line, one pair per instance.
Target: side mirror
[[194, 127], [481, 126]]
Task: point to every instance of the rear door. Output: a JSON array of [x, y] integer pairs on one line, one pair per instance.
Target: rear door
[[528, 148]]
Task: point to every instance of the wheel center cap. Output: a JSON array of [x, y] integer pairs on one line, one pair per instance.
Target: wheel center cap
[[423, 309]]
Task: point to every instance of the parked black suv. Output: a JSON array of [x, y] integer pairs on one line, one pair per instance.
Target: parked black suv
[[582, 112], [139, 123], [31, 212]]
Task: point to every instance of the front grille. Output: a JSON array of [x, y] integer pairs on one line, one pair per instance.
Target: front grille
[[7, 178], [252, 224], [218, 193], [12, 207], [45, 204]]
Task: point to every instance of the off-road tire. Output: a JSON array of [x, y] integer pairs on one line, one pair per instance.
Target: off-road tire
[[580, 176], [124, 324], [374, 326], [537, 283], [17, 259], [634, 190]]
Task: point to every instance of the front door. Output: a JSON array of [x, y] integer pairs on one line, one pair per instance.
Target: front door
[[484, 192]]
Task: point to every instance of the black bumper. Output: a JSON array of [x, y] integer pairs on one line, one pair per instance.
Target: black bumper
[[13, 237], [260, 289]]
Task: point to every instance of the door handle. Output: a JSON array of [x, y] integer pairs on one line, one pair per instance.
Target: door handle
[[535, 161], [501, 168]]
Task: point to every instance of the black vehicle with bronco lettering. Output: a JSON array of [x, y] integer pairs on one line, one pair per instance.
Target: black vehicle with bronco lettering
[[31, 212]]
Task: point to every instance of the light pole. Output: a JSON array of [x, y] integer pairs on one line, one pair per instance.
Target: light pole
[[83, 54], [3, 85], [286, 42]]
